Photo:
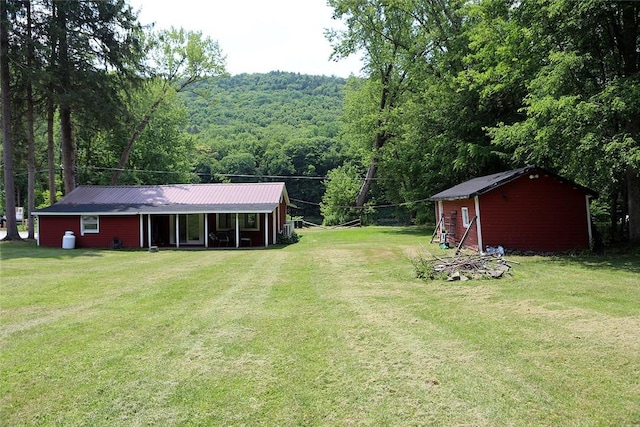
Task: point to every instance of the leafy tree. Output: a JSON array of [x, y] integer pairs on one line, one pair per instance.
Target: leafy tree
[[582, 106], [342, 186], [178, 59], [92, 39]]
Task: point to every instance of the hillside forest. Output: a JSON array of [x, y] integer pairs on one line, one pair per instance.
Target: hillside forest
[[450, 90]]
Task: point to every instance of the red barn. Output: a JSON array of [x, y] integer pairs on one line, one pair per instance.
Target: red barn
[[526, 209], [182, 215]]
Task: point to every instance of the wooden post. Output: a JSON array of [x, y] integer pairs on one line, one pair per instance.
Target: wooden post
[[438, 226], [465, 234]]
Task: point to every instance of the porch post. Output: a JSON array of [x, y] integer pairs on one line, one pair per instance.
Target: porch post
[[237, 230], [141, 230], [266, 229], [149, 229], [206, 230], [177, 231], [276, 225], [37, 218]]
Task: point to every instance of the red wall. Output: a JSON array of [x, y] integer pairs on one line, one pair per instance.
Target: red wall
[[540, 214], [455, 234], [126, 228]]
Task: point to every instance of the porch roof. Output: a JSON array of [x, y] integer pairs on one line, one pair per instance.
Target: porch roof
[[170, 199]]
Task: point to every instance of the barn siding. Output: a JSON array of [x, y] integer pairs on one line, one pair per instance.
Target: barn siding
[[454, 236], [52, 228], [126, 228], [540, 214]]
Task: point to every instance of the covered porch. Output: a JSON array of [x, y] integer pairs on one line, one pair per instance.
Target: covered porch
[[211, 229]]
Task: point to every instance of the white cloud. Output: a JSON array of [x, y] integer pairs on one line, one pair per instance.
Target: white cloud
[[257, 36]]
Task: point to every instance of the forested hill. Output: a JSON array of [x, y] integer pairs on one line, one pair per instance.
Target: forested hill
[[265, 126], [263, 100]]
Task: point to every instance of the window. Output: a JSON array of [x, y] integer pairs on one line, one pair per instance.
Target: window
[[225, 222], [89, 224], [465, 217], [248, 221]]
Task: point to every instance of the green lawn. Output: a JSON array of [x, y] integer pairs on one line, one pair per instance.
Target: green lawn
[[333, 330]]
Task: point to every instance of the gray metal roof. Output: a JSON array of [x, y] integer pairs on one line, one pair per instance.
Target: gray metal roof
[[477, 186], [178, 198]]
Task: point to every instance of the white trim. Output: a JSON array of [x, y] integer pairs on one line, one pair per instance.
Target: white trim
[[206, 230], [276, 225], [266, 230], [38, 235], [177, 231], [158, 212], [478, 226], [84, 231], [149, 239], [237, 230], [141, 231], [589, 231], [464, 212]]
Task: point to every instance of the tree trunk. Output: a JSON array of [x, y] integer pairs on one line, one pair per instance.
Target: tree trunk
[[51, 110], [66, 141], [7, 142], [51, 158], [124, 158], [381, 136], [68, 151], [31, 156]]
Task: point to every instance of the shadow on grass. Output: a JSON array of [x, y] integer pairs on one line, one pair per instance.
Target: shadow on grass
[[413, 230], [10, 250], [627, 262]]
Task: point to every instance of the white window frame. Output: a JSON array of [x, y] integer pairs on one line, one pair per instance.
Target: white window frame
[[87, 224], [242, 220], [245, 225], [465, 217]]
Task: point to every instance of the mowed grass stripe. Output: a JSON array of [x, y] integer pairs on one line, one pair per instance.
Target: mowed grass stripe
[[334, 330]]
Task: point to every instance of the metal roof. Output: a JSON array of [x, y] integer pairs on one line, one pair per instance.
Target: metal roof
[[477, 186], [177, 198]]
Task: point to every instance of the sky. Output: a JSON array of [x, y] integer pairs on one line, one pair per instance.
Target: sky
[[258, 36]]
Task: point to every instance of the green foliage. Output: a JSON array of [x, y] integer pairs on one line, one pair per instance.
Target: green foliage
[[287, 240], [342, 187], [275, 126], [494, 84]]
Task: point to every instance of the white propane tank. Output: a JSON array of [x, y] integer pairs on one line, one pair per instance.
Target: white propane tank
[[68, 240]]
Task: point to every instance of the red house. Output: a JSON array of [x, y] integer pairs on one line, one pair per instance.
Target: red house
[[526, 209], [184, 215]]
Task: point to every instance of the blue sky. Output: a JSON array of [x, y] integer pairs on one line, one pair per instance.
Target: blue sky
[[258, 36]]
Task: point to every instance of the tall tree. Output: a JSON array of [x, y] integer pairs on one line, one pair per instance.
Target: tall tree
[[401, 42], [178, 59], [582, 106], [7, 137], [98, 44]]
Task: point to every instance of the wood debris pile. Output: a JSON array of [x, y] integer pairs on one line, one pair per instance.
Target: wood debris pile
[[464, 267], [473, 267]]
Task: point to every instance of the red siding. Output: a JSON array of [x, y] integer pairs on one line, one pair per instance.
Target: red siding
[[540, 214], [455, 234], [126, 228]]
